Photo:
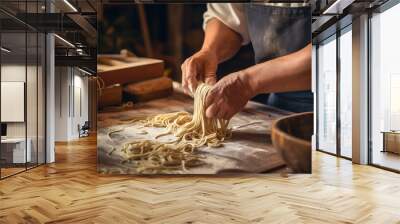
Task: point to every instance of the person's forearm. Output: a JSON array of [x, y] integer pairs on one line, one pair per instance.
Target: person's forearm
[[221, 40], [288, 73]]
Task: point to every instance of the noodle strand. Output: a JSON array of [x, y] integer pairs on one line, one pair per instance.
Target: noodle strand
[[192, 132]]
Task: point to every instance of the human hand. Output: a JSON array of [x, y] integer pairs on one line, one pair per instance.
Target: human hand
[[228, 96], [200, 67]]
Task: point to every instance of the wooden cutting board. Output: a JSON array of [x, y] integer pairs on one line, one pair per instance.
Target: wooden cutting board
[[118, 69], [149, 89], [249, 150]]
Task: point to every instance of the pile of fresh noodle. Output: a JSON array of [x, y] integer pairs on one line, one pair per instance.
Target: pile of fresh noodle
[[192, 132]]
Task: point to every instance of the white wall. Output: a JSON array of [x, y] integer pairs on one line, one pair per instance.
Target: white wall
[[70, 83], [80, 101], [61, 104], [12, 73], [33, 127]]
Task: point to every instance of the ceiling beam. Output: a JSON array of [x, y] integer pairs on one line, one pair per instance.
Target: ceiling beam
[[84, 24], [77, 61], [337, 7]]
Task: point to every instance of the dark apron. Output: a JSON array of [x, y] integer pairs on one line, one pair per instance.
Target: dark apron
[[275, 32]]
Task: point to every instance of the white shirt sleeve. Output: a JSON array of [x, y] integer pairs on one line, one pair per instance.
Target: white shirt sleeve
[[231, 14]]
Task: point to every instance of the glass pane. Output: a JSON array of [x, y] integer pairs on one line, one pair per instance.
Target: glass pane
[[22, 79], [346, 94], [31, 87], [327, 96], [13, 85], [31, 98], [385, 84]]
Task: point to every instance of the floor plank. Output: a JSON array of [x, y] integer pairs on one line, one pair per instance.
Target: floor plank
[[71, 191], [386, 159]]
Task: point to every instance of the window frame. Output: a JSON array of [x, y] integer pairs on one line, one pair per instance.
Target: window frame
[[339, 32]]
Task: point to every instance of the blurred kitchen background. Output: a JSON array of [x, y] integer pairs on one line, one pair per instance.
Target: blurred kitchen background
[[170, 32]]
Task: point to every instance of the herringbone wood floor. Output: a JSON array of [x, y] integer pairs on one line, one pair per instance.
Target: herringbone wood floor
[[70, 191]]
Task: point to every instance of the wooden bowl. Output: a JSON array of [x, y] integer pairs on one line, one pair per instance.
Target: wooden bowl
[[291, 135]]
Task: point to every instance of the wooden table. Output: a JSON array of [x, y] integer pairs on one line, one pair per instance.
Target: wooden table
[[391, 141], [249, 150], [14, 151]]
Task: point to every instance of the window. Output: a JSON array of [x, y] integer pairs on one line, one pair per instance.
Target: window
[[385, 89], [22, 77], [15, 150], [334, 106], [346, 92], [327, 95]]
